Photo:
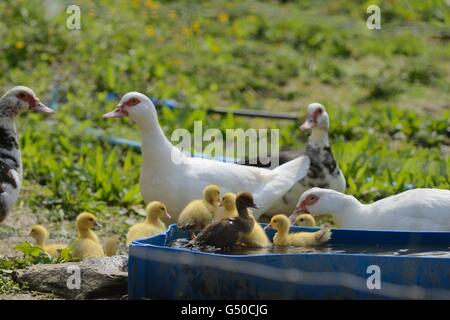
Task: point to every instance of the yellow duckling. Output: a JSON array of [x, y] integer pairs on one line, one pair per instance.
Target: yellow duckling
[[305, 220], [111, 246], [257, 238], [199, 213], [40, 234], [227, 207], [281, 224], [87, 244], [152, 224]]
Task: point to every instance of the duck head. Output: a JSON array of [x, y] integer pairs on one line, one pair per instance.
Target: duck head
[[229, 201], [317, 118], [20, 99], [245, 200], [137, 106], [317, 201], [212, 194], [157, 210], [279, 223], [86, 221], [305, 220], [39, 233]]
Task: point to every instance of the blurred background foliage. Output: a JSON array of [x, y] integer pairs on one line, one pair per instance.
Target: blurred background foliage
[[387, 91]]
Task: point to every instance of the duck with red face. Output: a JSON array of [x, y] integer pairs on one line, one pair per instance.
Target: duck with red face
[[15, 101]]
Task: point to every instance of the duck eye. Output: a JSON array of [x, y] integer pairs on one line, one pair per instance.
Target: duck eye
[[133, 101], [21, 95], [320, 110], [301, 220]]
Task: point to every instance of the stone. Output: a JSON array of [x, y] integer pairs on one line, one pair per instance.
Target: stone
[[94, 278]]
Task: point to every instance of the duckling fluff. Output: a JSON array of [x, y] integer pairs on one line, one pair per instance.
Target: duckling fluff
[[87, 245], [40, 234], [227, 207], [305, 220], [282, 224], [257, 238], [152, 224], [199, 213]]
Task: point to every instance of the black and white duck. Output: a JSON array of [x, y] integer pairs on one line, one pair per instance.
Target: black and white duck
[[323, 170], [15, 101]]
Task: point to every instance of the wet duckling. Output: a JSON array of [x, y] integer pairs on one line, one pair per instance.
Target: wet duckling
[[87, 245], [281, 224], [305, 220], [199, 213], [257, 238], [226, 233], [227, 208], [152, 224], [40, 234]]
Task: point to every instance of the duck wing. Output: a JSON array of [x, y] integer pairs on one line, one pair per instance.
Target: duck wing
[[266, 185], [222, 234]]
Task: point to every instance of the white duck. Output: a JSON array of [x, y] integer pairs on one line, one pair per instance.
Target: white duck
[[323, 170], [168, 175], [13, 102], [416, 209]]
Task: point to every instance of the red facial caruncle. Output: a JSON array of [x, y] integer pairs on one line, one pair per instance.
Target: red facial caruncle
[[121, 109], [33, 102], [303, 206], [311, 121]]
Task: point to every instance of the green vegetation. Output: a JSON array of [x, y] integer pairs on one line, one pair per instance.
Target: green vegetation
[[386, 91]]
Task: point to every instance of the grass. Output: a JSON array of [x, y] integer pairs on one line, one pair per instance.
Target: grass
[[386, 91]]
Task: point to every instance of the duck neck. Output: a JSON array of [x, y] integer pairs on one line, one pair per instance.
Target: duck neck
[[282, 233], [40, 241], [152, 220], [84, 233], [8, 123], [155, 145], [348, 211], [319, 136]]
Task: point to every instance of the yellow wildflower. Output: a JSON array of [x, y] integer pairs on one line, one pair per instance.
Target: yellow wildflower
[[20, 45], [149, 31], [173, 14], [196, 26], [223, 17], [186, 31]]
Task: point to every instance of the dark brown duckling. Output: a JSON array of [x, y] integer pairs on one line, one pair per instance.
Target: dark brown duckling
[[226, 233]]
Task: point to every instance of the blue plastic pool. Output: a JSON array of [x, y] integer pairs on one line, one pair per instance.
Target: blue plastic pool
[[159, 271]]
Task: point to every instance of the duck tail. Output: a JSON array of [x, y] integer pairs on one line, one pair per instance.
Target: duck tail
[[111, 245], [283, 179], [323, 235]]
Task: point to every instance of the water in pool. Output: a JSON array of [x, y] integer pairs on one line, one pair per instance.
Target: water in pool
[[442, 251]]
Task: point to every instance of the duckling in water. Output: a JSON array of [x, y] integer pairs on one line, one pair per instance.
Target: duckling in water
[[257, 237], [305, 220], [40, 234], [199, 213], [226, 233], [281, 224], [227, 208], [152, 224], [87, 245]]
